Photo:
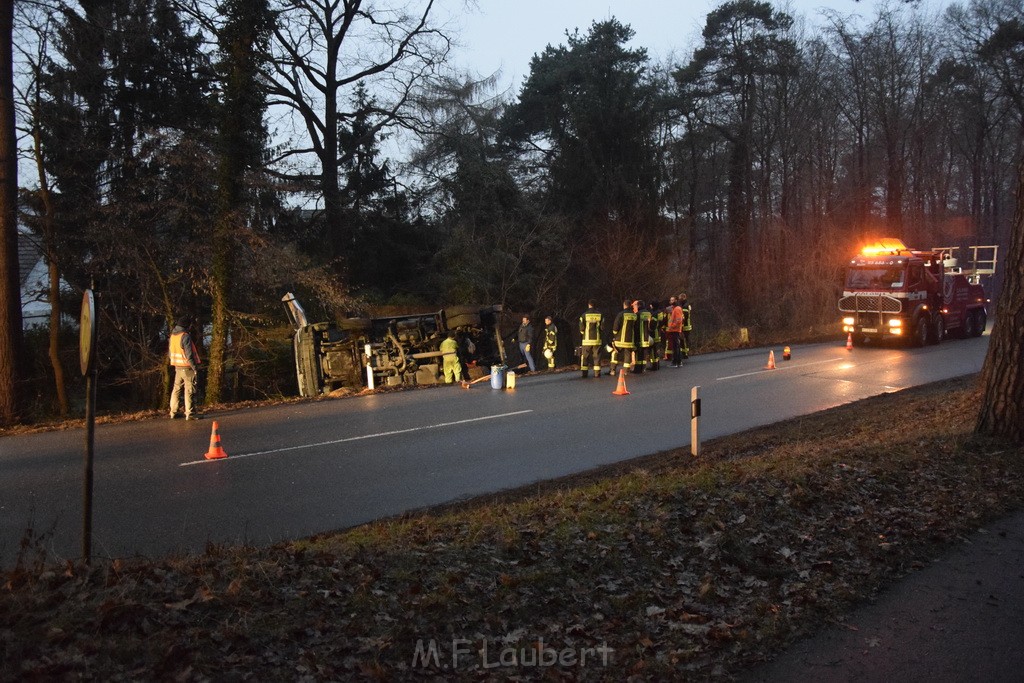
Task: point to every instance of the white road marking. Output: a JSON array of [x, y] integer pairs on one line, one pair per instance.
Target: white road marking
[[358, 438], [788, 367]]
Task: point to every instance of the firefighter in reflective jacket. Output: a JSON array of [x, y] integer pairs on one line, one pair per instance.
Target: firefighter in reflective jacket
[[644, 339], [550, 342], [452, 365], [687, 324], [624, 338], [591, 332], [659, 320]]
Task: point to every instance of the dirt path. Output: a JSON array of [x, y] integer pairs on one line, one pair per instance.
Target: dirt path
[[959, 619]]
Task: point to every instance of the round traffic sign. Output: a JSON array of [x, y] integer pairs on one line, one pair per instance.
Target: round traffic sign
[[87, 332]]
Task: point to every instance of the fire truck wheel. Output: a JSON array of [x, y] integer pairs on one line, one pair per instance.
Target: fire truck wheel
[[970, 326], [920, 336], [980, 321], [937, 332]]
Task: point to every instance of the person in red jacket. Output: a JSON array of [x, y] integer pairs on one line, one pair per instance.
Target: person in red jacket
[[674, 328]]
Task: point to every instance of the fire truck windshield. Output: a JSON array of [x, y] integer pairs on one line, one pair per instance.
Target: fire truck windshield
[[874, 277]]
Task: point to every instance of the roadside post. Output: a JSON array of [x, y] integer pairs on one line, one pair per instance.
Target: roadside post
[[694, 415], [87, 357]]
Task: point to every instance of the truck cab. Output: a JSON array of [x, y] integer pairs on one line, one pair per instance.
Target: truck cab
[[893, 292]]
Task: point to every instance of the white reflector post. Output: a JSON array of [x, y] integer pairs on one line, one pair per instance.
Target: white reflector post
[[694, 416]]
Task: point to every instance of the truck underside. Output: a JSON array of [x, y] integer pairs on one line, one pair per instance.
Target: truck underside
[[393, 350]]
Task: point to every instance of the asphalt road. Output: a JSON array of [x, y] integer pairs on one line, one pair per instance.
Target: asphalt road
[[304, 468]]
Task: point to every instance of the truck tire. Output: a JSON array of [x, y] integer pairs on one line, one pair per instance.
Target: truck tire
[[980, 322], [970, 325], [462, 316], [919, 335], [937, 331]]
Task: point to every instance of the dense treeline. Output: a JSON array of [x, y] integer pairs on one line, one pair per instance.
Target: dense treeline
[[206, 157]]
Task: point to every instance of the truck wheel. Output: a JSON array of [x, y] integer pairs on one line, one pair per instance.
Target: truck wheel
[[980, 322], [937, 332], [970, 325], [920, 336], [462, 316]]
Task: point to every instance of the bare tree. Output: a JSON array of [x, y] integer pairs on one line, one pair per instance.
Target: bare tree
[[1002, 377], [10, 282], [996, 31], [33, 53], [744, 42], [323, 50]]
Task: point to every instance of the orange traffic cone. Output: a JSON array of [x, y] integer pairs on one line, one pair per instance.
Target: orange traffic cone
[[621, 389], [215, 452], [786, 355], [849, 341], [771, 361]]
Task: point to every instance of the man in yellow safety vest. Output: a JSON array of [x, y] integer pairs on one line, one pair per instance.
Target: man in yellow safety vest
[[452, 366], [184, 357]]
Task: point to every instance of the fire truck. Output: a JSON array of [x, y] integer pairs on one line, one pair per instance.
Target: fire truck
[[918, 297]]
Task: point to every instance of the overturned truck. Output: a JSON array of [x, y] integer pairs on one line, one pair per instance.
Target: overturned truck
[[394, 350]]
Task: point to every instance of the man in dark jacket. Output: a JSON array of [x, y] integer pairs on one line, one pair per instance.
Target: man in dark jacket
[[525, 338]]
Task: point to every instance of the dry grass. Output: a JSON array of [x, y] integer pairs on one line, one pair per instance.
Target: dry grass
[[660, 567]]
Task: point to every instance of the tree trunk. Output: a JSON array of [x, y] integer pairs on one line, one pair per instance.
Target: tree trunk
[[10, 280], [1002, 377], [58, 369], [50, 248], [219, 325]]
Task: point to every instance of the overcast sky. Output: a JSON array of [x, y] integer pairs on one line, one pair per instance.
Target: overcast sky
[[505, 34]]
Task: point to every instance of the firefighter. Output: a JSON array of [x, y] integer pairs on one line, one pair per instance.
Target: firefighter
[[644, 339], [658, 319], [674, 329], [624, 338], [184, 357], [452, 365], [591, 332], [550, 341], [687, 324], [666, 337]]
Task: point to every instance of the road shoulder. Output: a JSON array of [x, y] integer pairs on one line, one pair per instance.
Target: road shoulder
[[958, 619]]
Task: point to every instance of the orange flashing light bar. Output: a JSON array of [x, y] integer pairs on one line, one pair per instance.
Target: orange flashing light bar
[[886, 245]]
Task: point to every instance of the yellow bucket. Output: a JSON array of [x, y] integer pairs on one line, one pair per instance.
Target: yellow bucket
[[510, 379]]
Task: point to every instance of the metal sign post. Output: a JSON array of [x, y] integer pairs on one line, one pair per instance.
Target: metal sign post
[[87, 355], [694, 415]]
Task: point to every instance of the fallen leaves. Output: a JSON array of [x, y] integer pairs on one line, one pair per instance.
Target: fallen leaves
[[681, 569]]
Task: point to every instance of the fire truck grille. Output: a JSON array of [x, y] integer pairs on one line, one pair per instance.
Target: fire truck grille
[[869, 303]]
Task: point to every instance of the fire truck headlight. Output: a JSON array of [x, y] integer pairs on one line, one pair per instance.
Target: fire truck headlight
[[896, 323], [848, 321]]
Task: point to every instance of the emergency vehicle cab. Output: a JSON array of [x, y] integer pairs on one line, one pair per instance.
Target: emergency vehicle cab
[[893, 292]]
